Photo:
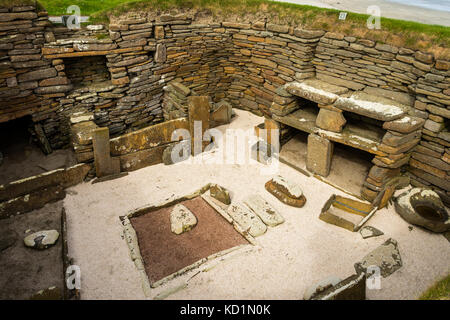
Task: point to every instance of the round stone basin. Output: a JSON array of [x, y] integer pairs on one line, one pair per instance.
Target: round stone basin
[[429, 210], [423, 207]]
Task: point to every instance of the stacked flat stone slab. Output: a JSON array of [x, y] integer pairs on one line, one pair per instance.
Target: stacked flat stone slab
[[82, 129], [430, 161], [175, 100], [22, 68]]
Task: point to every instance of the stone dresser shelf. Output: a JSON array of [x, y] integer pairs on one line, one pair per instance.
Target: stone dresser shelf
[[356, 136], [390, 133]]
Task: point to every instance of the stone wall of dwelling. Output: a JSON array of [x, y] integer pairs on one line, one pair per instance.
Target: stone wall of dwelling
[[21, 39], [243, 63]]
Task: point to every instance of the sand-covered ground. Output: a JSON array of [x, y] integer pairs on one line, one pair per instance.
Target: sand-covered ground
[[388, 9], [287, 260]]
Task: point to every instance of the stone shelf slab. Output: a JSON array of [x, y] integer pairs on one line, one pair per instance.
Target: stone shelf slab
[[371, 106], [355, 136], [302, 119], [316, 90]]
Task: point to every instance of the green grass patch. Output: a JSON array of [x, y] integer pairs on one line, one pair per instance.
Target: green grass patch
[[439, 291]]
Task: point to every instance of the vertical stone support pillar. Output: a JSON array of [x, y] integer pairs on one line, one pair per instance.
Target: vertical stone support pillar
[[104, 164], [273, 133], [320, 152], [330, 118], [198, 109]]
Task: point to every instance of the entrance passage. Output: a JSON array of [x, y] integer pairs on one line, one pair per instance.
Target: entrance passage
[[21, 156]]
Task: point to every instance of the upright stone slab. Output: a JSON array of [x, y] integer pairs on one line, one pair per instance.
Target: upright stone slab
[[161, 53], [320, 152], [198, 107], [222, 114], [273, 133], [104, 164]]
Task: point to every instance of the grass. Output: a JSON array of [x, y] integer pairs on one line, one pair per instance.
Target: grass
[[432, 38], [439, 291]]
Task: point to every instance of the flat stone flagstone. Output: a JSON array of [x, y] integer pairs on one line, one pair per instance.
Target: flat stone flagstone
[[406, 124], [371, 106], [182, 219], [264, 210], [369, 232], [247, 220], [316, 90], [386, 257]]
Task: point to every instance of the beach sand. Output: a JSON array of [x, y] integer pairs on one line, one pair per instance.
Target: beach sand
[[388, 10]]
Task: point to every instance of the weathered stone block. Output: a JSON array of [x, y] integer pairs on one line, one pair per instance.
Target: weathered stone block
[[320, 152], [330, 120], [198, 107], [161, 53], [82, 132], [159, 32], [104, 164]]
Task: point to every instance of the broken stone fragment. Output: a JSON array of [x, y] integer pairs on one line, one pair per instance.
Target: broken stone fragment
[[319, 155], [351, 288], [220, 193], [52, 293], [286, 191], [369, 232], [320, 286], [247, 220], [41, 240], [182, 219], [330, 120], [386, 257], [222, 113], [264, 210]]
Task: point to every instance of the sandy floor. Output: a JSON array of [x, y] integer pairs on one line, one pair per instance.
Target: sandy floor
[[288, 259], [388, 9]]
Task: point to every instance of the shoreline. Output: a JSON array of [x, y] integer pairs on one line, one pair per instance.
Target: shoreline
[[388, 10]]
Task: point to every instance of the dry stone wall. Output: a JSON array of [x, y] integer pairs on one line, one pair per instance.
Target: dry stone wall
[[246, 64]]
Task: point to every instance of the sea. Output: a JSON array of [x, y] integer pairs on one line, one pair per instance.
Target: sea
[[439, 5]]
